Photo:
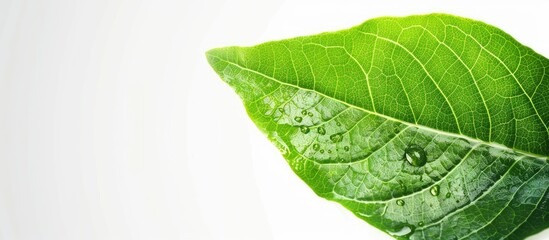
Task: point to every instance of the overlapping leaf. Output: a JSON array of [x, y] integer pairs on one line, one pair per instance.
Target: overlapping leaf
[[346, 107]]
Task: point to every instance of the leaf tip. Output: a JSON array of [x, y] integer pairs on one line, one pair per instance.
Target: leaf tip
[[213, 55], [215, 58]]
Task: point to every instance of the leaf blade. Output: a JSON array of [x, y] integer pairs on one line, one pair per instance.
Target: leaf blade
[[328, 77]]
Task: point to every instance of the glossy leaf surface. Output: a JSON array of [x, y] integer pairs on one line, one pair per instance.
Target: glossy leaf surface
[[430, 126]]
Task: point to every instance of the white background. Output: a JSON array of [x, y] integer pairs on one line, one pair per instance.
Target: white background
[[113, 126]]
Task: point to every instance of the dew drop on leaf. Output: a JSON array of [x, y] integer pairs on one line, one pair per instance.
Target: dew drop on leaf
[[321, 150], [402, 232], [298, 119], [338, 124], [415, 155], [329, 151], [420, 224], [435, 190], [310, 114], [346, 148], [316, 146], [448, 195], [304, 112], [281, 110], [400, 202], [304, 129], [321, 131], [336, 137]]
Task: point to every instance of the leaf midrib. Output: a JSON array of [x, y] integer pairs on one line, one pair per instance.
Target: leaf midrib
[[470, 139], [478, 141], [422, 65]]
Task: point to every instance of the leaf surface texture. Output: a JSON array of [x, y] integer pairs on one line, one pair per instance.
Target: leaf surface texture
[[346, 107]]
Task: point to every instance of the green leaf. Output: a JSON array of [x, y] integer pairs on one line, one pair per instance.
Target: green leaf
[[430, 126]]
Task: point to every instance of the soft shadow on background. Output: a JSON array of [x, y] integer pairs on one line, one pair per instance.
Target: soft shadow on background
[[113, 126]]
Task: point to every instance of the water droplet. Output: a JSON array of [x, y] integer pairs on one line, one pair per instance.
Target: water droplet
[[435, 190], [336, 137], [298, 119], [420, 223], [304, 129], [402, 232], [415, 155], [346, 148], [400, 202], [448, 195], [329, 151], [338, 123], [321, 131], [304, 112], [281, 110], [321, 150], [310, 114], [402, 186], [316, 146]]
